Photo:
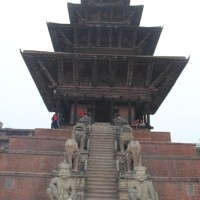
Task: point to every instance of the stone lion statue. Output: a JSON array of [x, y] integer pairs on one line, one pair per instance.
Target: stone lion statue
[[133, 155], [79, 134], [119, 122], [86, 120], [126, 135], [72, 154]]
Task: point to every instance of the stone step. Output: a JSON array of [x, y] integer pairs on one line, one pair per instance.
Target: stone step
[[106, 154], [100, 162], [101, 146], [101, 173], [98, 144], [101, 157], [101, 165], [101, 170], [101, 182], [110, 185], [102, 139], [101, 133], [102, 177], [100, 196], [102, 143], [98, 166]]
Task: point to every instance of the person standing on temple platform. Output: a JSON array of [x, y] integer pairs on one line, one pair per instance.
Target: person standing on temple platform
[[55, 121]]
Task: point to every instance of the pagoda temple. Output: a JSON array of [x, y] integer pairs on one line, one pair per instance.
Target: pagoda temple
[[103, 64]]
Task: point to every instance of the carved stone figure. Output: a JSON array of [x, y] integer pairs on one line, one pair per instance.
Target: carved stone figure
[[79, 134], [62, 187], [126, 135], [133, 155], [72, 154], [140, 188]]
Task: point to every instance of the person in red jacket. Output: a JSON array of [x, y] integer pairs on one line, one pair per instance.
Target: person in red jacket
[[55, 121]]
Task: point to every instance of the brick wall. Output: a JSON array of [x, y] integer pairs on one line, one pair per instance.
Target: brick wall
[[37, 143], [172, 166], [39, 162], [152, 136], [54, 133], [159, 148]]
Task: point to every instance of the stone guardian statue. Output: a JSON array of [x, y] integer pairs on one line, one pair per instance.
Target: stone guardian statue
[[62, 187], [140, 188]]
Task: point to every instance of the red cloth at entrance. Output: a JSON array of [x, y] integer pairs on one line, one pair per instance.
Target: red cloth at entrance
[[82, 113]]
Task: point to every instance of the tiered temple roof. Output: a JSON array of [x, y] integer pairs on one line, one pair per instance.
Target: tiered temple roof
[[104, 54]]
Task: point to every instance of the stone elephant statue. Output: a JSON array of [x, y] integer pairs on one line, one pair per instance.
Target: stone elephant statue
[[126, 135], [79, 134], [72, 154], [133, 156]]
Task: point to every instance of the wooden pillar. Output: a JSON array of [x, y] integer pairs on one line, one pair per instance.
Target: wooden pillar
[[129, 113], [120, 39], [110, 37], [148, 115], [98, 37], [89, 37], [130, 73], [75, 38], [75, 71], [93, 111], [75, 111], [60, 71], [95, 74], [134, 37], [111, 111]]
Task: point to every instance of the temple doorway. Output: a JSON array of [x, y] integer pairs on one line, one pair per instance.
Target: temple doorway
[[102, 111]]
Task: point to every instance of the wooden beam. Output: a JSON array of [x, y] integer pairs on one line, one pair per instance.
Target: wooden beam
[[130, 16], [46, 73], [143, 40], [161, 77], [79, 14], [65, 39]]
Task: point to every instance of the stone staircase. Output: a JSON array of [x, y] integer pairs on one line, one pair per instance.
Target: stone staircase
[[101, 174]]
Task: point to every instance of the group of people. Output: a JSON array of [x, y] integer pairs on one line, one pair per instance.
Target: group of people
[[139, 123], [55, 122]]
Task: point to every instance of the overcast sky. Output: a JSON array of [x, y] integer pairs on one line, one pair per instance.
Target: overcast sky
[[23, 26]]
